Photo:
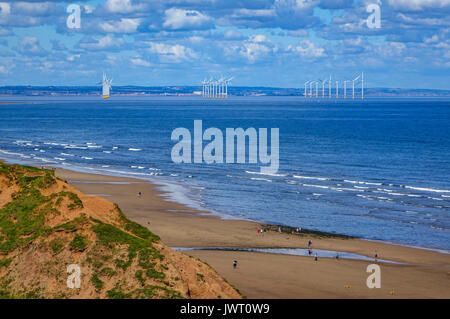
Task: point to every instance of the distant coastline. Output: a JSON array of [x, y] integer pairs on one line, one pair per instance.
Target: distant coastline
[[196, 91]]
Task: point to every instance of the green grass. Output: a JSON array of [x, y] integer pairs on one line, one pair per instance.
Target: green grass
[[98, 284], [140, 277], [75, 200], [108, 272], [79, 242], [57, 244], [5, 262], [200, 277]]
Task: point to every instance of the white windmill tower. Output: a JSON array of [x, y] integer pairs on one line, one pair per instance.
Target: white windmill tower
[[337, 89], [221, 82], [210, 87], [362, 85], [323, 87], [204, 83], [227, 81], [214, 92], [345, 88], [353, 85], [106, 86], [329, 88], [306, 93]]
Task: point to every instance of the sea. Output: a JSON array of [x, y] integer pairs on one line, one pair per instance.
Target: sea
[[378, 169]]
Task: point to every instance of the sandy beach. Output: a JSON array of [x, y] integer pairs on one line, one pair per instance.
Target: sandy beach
[[422, 274]]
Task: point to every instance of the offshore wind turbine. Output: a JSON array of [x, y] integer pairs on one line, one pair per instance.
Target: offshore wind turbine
[[323, 88], [329, 88], [353, 86], [215, 88], [204, 83], [106, 86], [227, 81], [345, 88], [362, 85], [337, 89], [210, 88], [222, 87], [306, 83]]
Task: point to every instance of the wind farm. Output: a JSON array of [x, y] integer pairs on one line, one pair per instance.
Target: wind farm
[[216, 88], [314, 93]]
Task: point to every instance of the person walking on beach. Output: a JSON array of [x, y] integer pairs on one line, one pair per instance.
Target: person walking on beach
[[309, 243], [235, 264], [376, 255], [315, 257], [139, 194]]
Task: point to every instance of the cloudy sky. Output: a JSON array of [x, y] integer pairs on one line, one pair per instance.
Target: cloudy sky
[[260, 42]]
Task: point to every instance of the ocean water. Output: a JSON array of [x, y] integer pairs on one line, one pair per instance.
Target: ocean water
[[378, 169]]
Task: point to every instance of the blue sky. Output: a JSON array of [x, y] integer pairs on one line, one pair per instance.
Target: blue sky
[[259, 42]]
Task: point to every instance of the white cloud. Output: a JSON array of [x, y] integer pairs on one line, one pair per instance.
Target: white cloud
[[5, 32], [431, 22], [255, 51], [5, 8], [103, 43], [122, 26], [196, 39], [88, 8], [259, 38], [307, 49], [30, 45], [182, 19], [122, 6], [30, 8], [140, 62], [233, 35], [417, 5], [253, 13], [172, 53], [3, 70], [73, 57]]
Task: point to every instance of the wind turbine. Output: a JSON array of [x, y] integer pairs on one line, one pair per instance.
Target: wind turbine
[[214, 86], [227, 81], [210, 88], [337, 89], [362, 85], [329, 88], [353, 86], [106, 86], [306, 83], [345, 88], [204, 82], [323, 88], [222, 87]]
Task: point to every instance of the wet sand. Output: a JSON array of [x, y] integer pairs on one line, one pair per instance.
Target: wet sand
[[265, 275]]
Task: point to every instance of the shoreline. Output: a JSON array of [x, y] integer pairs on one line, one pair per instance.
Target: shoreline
[[413, 273], [168, 196], [96, 181]]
